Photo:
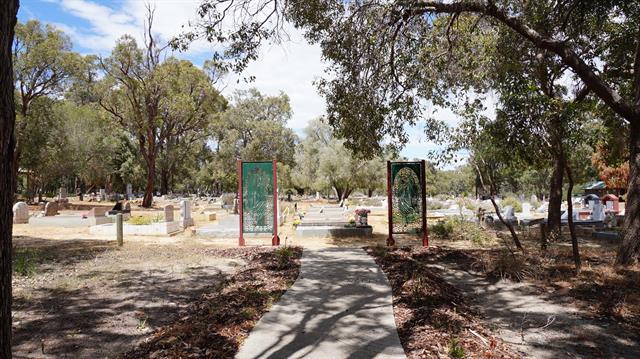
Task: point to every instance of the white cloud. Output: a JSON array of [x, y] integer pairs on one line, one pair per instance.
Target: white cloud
[[290, 67]]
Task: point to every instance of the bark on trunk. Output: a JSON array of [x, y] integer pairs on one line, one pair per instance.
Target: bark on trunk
[[147, 201], [630, 247], [572, 229], [555, 201], [8, 12], [164, 181]]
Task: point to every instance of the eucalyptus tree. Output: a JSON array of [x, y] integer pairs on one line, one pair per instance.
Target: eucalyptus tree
[[390, 57], [8, 20], [44, 65]]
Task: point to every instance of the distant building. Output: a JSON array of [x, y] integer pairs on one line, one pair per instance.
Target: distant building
[[600, 189]]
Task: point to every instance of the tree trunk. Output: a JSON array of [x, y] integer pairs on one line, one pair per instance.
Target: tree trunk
[[8, 12], [369, 193], [514, 235], [164, 180], [630, 247], [572, 227], [147, 201], [555, 201]]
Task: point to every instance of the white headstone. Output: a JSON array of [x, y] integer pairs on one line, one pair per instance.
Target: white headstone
[[317, 195], [20, 213], [598, 212], [185, 213], [103, 194], [534, 198], [592, 204], [168, 213], [526, 209], [509, 213], [62, 193], [129, 190]]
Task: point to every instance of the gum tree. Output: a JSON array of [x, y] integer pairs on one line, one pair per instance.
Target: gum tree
[[389, 58]]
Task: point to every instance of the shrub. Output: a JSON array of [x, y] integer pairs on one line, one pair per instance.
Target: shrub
[[433, 205], [24, 263], [508, 266], [456, 350], [513, 202], [296, 223], [454, 228], [139, 220]]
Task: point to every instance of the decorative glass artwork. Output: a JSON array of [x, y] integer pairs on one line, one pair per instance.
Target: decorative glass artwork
[[406, 197], [257, 197]]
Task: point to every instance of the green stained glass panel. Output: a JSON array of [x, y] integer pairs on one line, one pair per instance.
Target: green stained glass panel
[[405, 195], [257, 197]]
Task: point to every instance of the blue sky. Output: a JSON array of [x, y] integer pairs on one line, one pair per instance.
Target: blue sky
[[291, 67]]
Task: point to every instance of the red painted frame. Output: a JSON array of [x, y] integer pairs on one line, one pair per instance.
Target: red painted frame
[[241, 239], [423, 182]]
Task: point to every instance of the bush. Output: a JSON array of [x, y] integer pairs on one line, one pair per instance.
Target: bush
[[24, 263], [139, 220], [456, 350], [513, 202], [227, 198], [454, 228], [433, 205]]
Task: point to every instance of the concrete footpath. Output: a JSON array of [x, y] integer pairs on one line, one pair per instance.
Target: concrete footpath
[[339, 307]]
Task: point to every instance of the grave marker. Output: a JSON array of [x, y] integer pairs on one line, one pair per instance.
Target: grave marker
[[20, 213], [185, 214], [168, 213], [257, 204]]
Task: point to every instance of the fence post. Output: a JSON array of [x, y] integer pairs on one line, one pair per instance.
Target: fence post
[[119, 229]]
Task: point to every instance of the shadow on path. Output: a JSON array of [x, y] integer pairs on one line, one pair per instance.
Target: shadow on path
[[340, 307]]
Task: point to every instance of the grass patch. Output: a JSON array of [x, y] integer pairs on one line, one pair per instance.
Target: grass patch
[[456, 229], [25, 263]]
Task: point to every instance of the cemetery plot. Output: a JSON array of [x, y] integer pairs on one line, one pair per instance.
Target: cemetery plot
[[81, 298], [330, 221]]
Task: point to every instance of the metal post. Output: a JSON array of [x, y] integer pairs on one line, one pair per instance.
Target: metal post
[[119, 229], [423, 183], [390, 240], [241, 238], [275, 241]]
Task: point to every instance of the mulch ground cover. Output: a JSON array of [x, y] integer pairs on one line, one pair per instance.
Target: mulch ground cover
[[600, 288], [215, 325], [432, 317]]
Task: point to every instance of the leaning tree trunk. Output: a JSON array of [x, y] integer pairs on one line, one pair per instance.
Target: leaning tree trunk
[[630, 247], [555, 201], [8, 12], [164, 180], [572, 227], [147, 201]]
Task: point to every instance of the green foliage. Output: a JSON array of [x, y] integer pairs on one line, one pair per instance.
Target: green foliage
[[25, 263], [513, 202], [456, 350], [454, 228], [140, 220]]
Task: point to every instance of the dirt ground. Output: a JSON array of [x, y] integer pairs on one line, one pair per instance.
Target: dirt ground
[[88, 298], [79, 295]]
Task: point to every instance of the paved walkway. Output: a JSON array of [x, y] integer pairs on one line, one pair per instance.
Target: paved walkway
[[340, 307]]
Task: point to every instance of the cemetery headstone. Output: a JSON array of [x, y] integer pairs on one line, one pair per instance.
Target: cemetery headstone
[[20, 213], [62, 193], [50, 209], [526, 209], [97, 212], [534, 198], [185, 213], [317, 195], [168, 213], [509, 213], [103, 194], [598, 212], [129, 191]]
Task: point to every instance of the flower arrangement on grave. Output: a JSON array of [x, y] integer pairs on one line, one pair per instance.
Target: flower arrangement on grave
[[362, 216]]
